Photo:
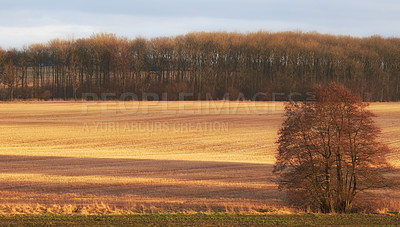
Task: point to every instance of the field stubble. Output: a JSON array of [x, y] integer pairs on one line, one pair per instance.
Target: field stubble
[[201, 156]]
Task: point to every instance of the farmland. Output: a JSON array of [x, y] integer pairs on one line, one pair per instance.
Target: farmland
[[204, 155]]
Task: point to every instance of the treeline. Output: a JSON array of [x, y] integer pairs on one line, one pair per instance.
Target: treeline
[[206, 65]]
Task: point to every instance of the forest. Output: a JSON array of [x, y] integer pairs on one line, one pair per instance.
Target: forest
[[216, 65]]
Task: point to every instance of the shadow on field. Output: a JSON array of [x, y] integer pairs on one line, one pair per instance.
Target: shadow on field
[[46, 179]]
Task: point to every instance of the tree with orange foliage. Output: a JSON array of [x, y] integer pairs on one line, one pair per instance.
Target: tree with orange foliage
[[328, 151]]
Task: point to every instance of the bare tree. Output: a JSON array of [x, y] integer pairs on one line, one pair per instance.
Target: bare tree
[[328, 151], [8, 71]]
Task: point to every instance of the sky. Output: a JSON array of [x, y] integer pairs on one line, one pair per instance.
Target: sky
[[23, 22]]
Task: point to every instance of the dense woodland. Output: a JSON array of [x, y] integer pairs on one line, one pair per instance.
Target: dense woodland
[[209, 65]]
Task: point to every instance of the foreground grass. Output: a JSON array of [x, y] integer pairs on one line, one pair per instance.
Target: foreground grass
[[203, 220]]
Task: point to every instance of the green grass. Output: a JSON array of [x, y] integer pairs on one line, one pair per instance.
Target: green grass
[[203, 220]]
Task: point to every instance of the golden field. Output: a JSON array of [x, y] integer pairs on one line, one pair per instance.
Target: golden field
[[215, 155]]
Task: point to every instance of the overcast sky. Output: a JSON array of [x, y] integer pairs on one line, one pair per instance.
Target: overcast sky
[[31, 21]]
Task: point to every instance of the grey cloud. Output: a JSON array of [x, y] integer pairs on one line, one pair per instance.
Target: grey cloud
[[164, 18]]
